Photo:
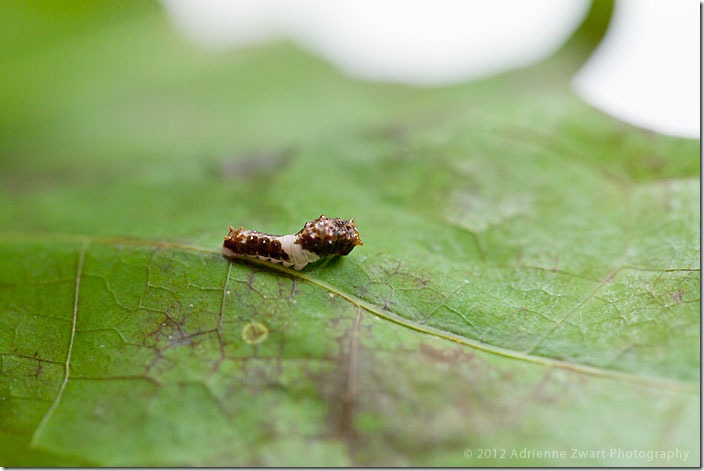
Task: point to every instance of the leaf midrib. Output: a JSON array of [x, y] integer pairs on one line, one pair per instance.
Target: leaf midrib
[[690, 387]]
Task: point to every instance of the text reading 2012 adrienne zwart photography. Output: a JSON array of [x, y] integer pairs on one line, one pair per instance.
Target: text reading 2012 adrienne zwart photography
[[651, 455]]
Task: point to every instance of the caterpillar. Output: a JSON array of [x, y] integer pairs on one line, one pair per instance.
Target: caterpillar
[[320, 238]]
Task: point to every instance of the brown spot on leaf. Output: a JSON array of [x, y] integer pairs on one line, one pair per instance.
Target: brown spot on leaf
[[677, 296], [443, 356], [254, 333]]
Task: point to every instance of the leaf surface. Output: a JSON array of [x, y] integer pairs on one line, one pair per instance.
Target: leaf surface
[[529, 279]]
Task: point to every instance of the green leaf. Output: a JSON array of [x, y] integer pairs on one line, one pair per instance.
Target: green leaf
[[528, 291]]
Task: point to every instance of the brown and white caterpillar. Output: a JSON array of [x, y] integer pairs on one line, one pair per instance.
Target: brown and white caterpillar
[[320, 238]]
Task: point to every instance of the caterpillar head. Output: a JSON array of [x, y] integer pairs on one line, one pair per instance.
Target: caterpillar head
[[329, 236]]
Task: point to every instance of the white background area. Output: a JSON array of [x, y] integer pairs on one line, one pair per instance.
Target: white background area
[[645, 72]]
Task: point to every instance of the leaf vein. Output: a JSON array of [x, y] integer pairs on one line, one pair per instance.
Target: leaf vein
[[67, 365], [651, 381]]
